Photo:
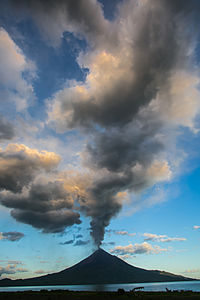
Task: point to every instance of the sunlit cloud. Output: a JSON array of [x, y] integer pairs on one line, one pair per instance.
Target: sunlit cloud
[[17, 87], [144, 248]]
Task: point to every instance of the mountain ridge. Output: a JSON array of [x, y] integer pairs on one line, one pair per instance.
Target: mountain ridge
[[98, 268]]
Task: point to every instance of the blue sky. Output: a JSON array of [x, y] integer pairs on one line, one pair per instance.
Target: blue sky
[[99, 133]]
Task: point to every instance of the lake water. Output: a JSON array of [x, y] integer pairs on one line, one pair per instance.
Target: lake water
[[153, 286]]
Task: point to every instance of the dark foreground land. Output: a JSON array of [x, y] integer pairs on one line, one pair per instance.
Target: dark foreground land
[[119, 295]]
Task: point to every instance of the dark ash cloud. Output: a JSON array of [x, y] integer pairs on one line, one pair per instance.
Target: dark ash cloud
[[49, 222], [45, 206], [126, 115], [128, 106], [41, 197]]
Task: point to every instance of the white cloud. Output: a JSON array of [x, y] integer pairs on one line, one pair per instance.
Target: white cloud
[[16, 73], [124, 233], [144, 248], [162, 238], [196, 227]]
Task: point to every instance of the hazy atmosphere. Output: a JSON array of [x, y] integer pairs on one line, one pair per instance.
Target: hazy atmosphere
[[99, 133]]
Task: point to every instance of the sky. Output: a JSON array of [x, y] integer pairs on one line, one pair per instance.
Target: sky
[[99, 133]]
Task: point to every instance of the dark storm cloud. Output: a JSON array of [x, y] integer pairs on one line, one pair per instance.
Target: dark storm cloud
[[49, 222], [12, 236], [40, 198], [45, 206], [6, 130]]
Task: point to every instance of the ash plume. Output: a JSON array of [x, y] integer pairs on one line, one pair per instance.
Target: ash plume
[[132, 101]]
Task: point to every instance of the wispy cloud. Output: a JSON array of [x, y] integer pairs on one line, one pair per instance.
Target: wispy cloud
[[124, 233], [196, 226], [67, 242], [40, 272], [12, 236], [162, 238], [81, 242], [120, 232], [191, 271], [108, 243]]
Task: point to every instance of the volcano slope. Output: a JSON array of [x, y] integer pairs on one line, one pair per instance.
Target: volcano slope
[[98, 268]]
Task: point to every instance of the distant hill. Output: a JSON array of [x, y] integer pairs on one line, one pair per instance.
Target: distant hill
[[98, 268]]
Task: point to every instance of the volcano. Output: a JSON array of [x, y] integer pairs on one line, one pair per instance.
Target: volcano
[[98, 268]]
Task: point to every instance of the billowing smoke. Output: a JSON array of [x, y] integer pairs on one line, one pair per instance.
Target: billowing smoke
[[140, 87], [133, 96]]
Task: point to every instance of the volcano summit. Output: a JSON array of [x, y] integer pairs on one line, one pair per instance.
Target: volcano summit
[[98, 268]]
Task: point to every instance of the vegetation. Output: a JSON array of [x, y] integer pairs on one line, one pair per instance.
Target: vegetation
[[119, 295]]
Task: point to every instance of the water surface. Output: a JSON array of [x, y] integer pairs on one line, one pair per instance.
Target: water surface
[[151, 286]]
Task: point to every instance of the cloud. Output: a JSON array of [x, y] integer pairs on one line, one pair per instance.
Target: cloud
[[139, 89], [191, 271], [79, 236], [17, 86], [131, 103], [144, 248], [162, 238], [19, 164], [11, 269], [196, 227], [40, 272], [173, 240], [12, 236], [68, 16], [81, 243], [67, 242], [125, 256], [21, 270], [50, 221], [108, 243], [120, 232], [39, 202], [7, 131], [7, 270], [124, 233], [41, 197]]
